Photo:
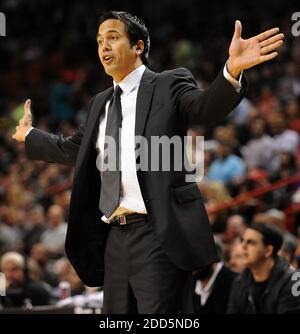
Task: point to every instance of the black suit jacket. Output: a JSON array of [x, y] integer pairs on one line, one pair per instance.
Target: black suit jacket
[[218, 300], [167, 104]]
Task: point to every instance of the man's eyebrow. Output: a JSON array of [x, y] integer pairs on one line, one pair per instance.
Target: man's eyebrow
[[110, 30]]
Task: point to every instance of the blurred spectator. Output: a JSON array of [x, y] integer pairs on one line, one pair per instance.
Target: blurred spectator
[[259, 150], [293, 115], [54, 236], [8, 238], [240, 115], [235, 228], [237, 261], [215, 193], [288, 249], [66, 273], [21, 290], [273, 216], [211, 287], [265, 286], [40, 255], [284, 140], [37, 222], [226, 167]]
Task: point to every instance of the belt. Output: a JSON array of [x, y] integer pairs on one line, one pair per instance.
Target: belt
[[128, 219]]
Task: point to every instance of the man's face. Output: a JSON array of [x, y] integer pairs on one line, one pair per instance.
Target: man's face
[[257, 128], [237, 258], [116, 54], [255, 252], [13, 273]]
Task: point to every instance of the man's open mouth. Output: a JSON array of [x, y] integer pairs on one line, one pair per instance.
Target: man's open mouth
[[107, 59]]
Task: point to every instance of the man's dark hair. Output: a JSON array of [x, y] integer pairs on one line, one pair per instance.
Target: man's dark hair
[[271, 235], [135, 27]]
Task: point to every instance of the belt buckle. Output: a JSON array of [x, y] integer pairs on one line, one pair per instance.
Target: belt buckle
[[122, 220]]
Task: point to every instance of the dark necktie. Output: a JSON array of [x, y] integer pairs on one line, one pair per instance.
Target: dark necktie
[[111, 179]]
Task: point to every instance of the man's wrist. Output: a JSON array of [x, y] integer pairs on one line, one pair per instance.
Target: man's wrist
[[27, 133], [232, 70]]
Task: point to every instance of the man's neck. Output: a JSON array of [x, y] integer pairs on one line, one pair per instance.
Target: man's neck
[[262, 271], [117, 78]]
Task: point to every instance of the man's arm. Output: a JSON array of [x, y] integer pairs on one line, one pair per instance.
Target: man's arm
[[48, 147], [44, 146], [215, 103], [199, 107]]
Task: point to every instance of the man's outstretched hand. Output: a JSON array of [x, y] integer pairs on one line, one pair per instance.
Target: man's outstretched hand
[[25, 123], [246, 53]]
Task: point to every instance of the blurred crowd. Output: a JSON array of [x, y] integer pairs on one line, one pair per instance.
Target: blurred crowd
[[50, 56]]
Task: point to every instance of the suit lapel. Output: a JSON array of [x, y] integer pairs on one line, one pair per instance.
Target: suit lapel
[[97, 108], [143, 102]]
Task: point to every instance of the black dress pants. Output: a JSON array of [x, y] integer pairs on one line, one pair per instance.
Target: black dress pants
[[139, 277]]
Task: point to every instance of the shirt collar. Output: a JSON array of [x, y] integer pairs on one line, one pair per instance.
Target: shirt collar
[[131, 80]]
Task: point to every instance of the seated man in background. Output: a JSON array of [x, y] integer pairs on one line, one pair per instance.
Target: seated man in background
[[265, 286], [210, 287], [21, 291]]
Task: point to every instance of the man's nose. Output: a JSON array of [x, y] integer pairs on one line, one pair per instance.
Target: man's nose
[[105, 46]]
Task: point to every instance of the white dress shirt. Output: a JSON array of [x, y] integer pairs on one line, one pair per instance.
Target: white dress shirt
[[204, 292], [131, 199]]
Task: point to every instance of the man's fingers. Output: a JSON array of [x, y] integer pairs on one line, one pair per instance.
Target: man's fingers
[[267, 57], [27, 105], [14, 136], [266, 34], [237, 29], [272, 40], [27, 114], [271, 47]]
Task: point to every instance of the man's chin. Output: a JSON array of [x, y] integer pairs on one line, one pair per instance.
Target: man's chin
[[109, 70]]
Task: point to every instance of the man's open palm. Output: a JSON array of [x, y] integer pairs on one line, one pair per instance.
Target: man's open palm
[[246, 53], [25, 123]]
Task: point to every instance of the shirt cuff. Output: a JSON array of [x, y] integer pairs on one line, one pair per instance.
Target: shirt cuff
[[27, 133], [237, 84]]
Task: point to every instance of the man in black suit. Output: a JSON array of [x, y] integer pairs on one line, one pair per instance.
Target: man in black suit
[[207, 291], [155, 227]]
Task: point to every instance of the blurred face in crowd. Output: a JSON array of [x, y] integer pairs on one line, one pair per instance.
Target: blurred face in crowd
[[255, 251], [55, 215], [36, 217], [292, 109], [235, 226], [277, 124], [223, 150], [14, 274], [257, 128], [237, 257], [221, 134], [116, 54], [39, 253]]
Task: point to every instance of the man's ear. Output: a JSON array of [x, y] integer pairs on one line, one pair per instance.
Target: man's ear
[[269, 251], [139, 47]]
